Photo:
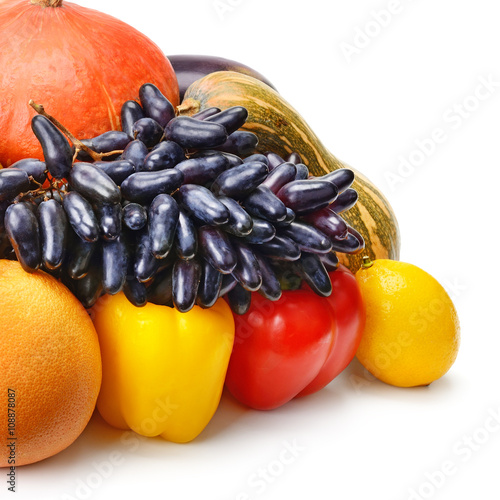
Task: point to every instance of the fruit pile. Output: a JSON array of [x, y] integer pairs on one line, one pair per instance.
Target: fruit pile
[[227, 194], [168, 211]]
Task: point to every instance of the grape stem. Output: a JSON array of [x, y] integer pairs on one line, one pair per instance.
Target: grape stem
[[79, 145]]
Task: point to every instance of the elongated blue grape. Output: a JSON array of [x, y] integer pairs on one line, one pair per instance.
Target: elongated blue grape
[[57, 152], [228, 283], [191, 133], [329, 260], [145, 263], [89, 288], [148, 131], [131, 111], [203, 169], [142, 187], [113, 140], [350, 244], [302, 172], [240, 223], [240, 143], [270, 287], [79, 257], [81, 216], [186, 275], [289, 218], [93, 182], [328, 222], [231, 118], [239, 299], [280, 248], [294, 158], [135, 152], [313, 272], [262, 231], [199, 202], [357, 235], [307, 196], [257, 157], [53, 225], [247, 270], [116, 170], [35, 169], [344, 201], [279, 176], [114, 265], [186, 237], [109, 217], [217, 249], [22, 228], [238, 182], [233, 160], [13, 181], [342, 178], [274, 160], [155, 104], [207, 112], [134, 216], [163, 217], [307, 237], [263, 203], [136, 292], [166, 154], [210, 285]]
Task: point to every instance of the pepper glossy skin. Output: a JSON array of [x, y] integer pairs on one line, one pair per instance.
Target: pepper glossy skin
[[163, 370], [348, 308], [297, 344], [279, 348]]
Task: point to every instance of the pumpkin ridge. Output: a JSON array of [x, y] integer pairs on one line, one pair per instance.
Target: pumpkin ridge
[[111, 109]]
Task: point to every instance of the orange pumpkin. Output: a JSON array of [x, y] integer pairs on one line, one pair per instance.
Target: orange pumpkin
[[81, 64]]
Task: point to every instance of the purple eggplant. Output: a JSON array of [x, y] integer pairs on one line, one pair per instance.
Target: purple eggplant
[[189, 68]]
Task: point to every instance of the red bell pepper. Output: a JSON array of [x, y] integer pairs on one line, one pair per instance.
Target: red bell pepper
[[295, 345], [347, 305]]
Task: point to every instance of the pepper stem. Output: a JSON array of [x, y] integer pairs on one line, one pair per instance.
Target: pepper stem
[[367, 262]]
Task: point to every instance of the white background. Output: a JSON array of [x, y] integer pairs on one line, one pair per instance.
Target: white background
[[358, 438]]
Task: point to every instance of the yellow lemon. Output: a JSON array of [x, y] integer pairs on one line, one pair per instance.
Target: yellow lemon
[[412, 332]]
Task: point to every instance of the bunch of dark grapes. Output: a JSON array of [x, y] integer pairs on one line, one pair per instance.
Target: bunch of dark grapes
[[173, 210]]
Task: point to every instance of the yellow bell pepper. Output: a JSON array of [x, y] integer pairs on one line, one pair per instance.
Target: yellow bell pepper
[[163, 370]]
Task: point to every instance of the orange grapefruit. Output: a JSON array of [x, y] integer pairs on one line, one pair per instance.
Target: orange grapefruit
[[50, 366]]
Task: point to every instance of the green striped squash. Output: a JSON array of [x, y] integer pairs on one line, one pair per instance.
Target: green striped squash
[[282, 130]]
